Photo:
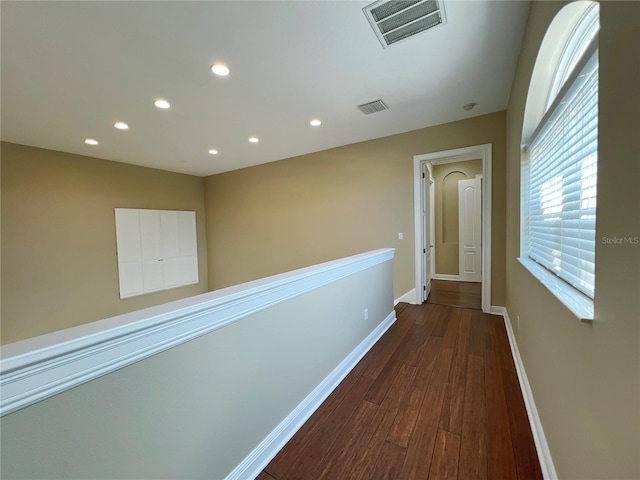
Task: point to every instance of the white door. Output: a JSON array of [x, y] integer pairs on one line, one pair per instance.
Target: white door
[[470, 229], [427, 194]]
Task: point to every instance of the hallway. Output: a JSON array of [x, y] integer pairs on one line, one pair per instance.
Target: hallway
[[456, 294], [437, 397]]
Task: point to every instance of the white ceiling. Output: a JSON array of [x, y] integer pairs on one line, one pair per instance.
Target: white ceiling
[[72, 69]]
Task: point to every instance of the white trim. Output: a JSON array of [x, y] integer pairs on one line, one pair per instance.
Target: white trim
[[549, 54], [450, 278], [542, 447], [255, 462], [448, 156], [574, 300], [37, 368], [408, 297], [432, 220]]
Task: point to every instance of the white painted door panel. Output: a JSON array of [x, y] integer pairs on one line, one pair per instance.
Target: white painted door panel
[[128, 237], [152, 279], [189, 269], [150, 234], [187, 240], [171, 271], [129, 252], [130, 279], [169, 234], [470, 229]]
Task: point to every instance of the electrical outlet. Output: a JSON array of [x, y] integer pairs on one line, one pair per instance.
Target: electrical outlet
[[366, 314]]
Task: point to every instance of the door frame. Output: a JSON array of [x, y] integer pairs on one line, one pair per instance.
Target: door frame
[[449, 156], [427, 192]]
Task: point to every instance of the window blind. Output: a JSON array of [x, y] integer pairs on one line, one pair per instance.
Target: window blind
[[561, 193]]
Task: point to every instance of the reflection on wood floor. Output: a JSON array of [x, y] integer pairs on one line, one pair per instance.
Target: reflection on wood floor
[[456, 294], [437, 397]]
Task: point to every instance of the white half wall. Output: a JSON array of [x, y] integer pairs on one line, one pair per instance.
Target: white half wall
[[212, 407]]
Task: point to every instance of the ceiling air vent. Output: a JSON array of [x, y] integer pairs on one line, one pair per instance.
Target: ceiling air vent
[[373, 107], [397, 20]]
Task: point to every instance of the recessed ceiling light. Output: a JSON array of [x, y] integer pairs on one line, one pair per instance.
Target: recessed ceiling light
[[162, 103], [220, 69], [121, 126], [213, 151], [315, 123], [254, 140], [91, 141], [469, 106]]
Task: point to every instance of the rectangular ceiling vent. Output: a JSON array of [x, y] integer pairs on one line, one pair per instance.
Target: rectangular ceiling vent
[[373, 107], [396, 20]]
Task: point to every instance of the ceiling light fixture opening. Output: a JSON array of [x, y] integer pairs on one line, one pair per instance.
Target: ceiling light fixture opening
[[254, 139], [315, 122], [91, 141], [162, 103], [213, 151], [469, 106], [121, 126], [220, 70]]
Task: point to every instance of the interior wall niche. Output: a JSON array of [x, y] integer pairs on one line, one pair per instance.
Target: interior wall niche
[[450, 227]]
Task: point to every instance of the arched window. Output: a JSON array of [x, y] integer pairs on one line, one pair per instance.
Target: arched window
[[560, 156]]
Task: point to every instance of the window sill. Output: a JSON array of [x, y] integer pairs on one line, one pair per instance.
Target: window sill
[[579, 304]]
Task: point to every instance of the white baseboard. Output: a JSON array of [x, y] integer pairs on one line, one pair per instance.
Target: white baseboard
[[442, 276], [542, 447], [255, 462], [409, 297]]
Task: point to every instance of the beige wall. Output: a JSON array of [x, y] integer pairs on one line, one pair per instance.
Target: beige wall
[[445, 182], [59, 264], [304, 210], [196, 410], [585, 377]]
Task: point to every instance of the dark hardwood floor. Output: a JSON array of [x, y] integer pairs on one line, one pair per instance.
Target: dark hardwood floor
[[456, 294], [437, 397]]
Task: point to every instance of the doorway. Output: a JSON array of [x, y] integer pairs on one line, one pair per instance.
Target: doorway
[[423, 216]]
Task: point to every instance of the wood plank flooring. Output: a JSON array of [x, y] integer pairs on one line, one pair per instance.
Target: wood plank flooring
[[437, 397], [456, 294]]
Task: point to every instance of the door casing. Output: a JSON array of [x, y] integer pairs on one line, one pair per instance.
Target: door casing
[[426, 205], [448, 156]]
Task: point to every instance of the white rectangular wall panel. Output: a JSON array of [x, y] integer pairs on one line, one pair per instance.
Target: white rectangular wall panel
[[171, 272], [169, 226], [130, 279], [152, 277], [187, 230], [189, 269], [128, 238], [157, 250], [150, 234]]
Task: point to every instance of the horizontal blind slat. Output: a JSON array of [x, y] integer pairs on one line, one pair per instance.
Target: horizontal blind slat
[[562, 186]]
